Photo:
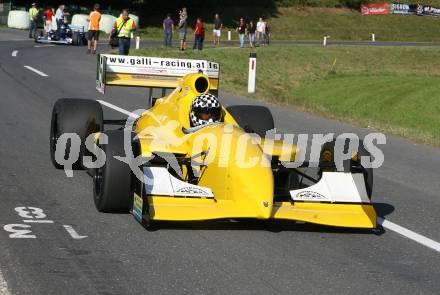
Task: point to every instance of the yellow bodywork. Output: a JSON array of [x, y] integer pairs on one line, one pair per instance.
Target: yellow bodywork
[[242, 182]]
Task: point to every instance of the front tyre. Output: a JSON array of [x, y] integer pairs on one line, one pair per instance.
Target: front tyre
[[112, 182], [74, 115]]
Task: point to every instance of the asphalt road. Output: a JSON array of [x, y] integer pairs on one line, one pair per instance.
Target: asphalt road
[[113, 254]]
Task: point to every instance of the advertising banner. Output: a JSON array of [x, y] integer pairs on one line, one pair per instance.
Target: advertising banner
[[374, 8], [397, 8], [155, 72], [428, 10]]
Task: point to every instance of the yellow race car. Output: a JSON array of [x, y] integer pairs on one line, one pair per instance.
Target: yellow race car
[[187, 157]]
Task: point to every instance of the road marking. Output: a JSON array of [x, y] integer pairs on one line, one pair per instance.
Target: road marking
[[409, 234], [14, 53], [73, 233], [37, 221], [116, 108], [36, 71], [3, 285], [39, 46], [19, 231]]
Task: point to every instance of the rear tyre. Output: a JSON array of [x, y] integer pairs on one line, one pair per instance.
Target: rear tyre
[[253, 119], [113, 189], [354, 165], [76, 39], [70, 115]]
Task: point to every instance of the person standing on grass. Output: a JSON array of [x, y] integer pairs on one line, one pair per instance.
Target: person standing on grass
[[218, 26], [251, 33], [261, 30], [199, 35], [267, 32], [33, 16], [183, 27], [168, 30], [242, 31], [93, 34], [124, 26], [48, 15]]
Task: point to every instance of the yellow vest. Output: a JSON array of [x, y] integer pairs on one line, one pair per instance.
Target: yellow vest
[[32, 12], [125, 31]]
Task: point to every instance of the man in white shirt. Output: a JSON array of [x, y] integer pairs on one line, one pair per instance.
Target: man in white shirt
[[261, 31], [59, 16]]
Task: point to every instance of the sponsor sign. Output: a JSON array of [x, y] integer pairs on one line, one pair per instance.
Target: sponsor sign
[[309, 196], [397, 8], [374, 8], [151, 71], [138, 204], [428, 10]]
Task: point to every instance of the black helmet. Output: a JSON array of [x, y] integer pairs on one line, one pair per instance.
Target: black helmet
[[205, 109]]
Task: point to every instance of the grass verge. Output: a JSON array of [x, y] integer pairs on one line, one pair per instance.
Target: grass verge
[[392, 89]]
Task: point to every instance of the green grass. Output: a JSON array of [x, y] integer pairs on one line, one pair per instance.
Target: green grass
[[393, 89], [312, 23], [345, 24]]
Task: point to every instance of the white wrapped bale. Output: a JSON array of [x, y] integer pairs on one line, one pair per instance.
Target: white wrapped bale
[[135, 18], [19, 19], [107, 22], [81, 20]]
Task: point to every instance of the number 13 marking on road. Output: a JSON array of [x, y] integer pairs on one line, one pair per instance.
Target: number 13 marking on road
[[33, 215]]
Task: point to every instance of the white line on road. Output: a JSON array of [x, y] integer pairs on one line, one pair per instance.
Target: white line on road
[[37, 221], [36, 71], [116, 108], [14, 53], [73, 233], [409, 234], [385, 223], [3, 285], [39, 46]]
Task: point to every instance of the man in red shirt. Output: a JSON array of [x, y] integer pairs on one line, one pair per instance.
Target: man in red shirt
[[48, 14], [199, 35]]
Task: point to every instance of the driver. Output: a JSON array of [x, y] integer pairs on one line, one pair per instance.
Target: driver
[[205, 109]]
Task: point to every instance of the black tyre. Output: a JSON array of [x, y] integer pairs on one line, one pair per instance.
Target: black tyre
[[253, 119], [327, 163], [113, 190], [76, 39], [70, 115]]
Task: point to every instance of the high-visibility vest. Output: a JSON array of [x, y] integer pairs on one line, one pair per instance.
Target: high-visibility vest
[[32, 13], [125, 31]]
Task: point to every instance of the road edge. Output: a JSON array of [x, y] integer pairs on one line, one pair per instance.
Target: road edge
[[3, 285]]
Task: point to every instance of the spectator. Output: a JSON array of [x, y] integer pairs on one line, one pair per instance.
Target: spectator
[[218, 26], [124, 26], [48, 14], [93, 34], [168, 29], [261, 29], [242, 31], [267, 32], [33, 15], [199, 35], [183, 27], [251, 33], [59, 16]]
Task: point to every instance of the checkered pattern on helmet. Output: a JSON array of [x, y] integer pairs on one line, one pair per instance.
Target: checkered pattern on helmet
[[203, 101]]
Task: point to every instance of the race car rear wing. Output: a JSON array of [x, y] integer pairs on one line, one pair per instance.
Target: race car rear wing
[[152, 72]]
